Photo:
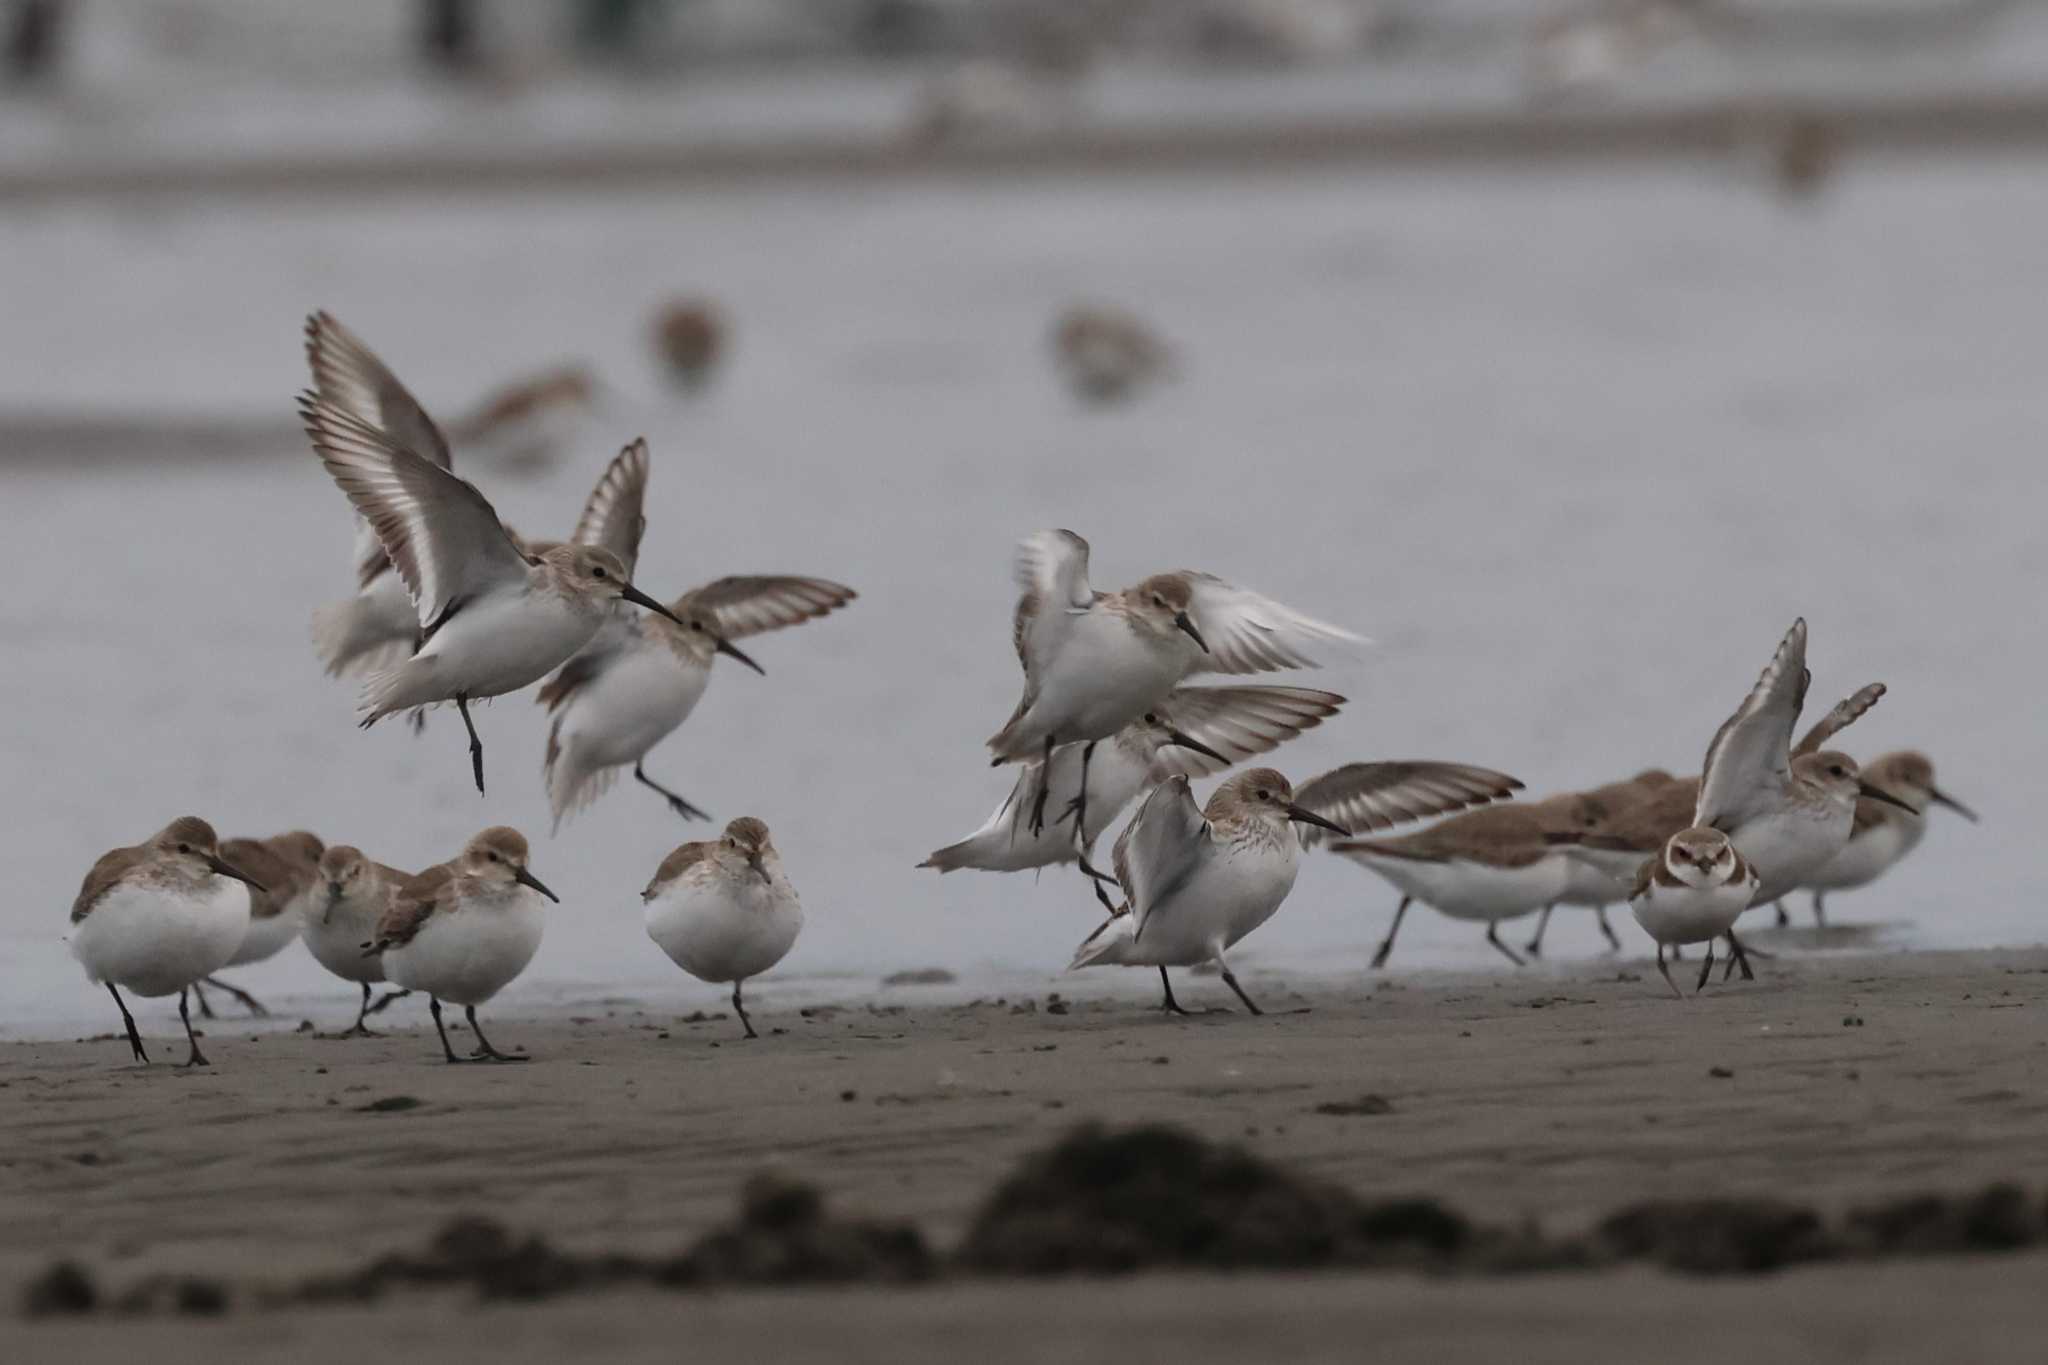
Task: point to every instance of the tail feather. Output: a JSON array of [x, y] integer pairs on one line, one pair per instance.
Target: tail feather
[[347, 640], [1108, 943], [571, 785]]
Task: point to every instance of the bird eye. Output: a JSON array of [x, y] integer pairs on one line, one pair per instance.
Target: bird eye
[[1264, 795], [1157, 600], [1151, 719], [184, 848], [493, 857], [697, 626], [598, 571]]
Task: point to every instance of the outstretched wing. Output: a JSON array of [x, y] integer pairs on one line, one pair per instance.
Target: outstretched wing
[[442, 535], [1052, 581], [1844, 714], [1237, 722], [1751, 756], [1161, 848], [1249, 633], [746, 606], [613, 518], [1370, 796]]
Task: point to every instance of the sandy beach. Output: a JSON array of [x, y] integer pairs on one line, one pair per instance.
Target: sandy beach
[[1552, 1096]]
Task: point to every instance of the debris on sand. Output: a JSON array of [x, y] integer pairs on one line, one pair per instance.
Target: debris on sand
[[63, 1290], [921, 976], [1364, 1104], [784, 1236], [1714, 1236]]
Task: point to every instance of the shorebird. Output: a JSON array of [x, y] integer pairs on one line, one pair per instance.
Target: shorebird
[[689, 338], [350, 897], [461, 930], [287, 865], [159, 916], [1096, 661], [492, 619], [1199, 878], [722, 910], [1194, 732], [1882, 834], [640, 679], [1490, 865], [1586, 813], [1106, 354], [1787, 814], [528, 423], [1693, 891]]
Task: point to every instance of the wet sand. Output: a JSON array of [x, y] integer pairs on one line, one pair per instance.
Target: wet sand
[[1554, 1095]]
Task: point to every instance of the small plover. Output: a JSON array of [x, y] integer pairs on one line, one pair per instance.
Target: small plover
[[722, 909], [1693, 892]]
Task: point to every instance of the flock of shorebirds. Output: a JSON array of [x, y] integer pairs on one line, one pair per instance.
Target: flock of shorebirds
[[452, 605]]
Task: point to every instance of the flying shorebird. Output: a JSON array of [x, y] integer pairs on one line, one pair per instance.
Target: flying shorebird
[[1096, 661], [1693, 891], [461, 930], [1195, 732], [1200, 878], [723, 910], [160, 915], [351, 894], [1882, 834], [492, 619]]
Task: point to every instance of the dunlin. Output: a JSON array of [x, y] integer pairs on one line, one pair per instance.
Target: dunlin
[[1489, 865], [461, 930], [491, 619], [287, 865], [1883, 834], [1591, 812], [1195, 732], [1199, 878], [160, 915], [1096, 661], [1106, 354], [1693, 891], [529, 423], [722, 909], [351, 896]]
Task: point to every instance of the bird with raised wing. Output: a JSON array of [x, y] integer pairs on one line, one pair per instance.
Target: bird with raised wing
[[722, 909]]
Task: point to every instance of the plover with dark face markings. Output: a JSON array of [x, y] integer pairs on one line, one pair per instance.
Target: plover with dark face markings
[[1692, 892]]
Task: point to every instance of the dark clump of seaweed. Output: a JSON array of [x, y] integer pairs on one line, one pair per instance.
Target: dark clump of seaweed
[[784, 1235]]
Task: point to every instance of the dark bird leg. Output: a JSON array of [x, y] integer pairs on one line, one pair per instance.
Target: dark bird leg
[[741, 1011], [434, 1008], [1081, 802], [134, 1038], [359, 1029], [1666, 972], [197, 1058], [1606, 929], [1231, 981], [1706, 969], [1172, 1006], [1535, 948], [476, 745], [1783, 918], [419, 721], [1108, 903], [483, 1045], [386, 1000], [242, 997], [1741, 957], [1820, 910], [1044, 790], [205, 1009], [1379, 958], [1494, 938], [675, 803]]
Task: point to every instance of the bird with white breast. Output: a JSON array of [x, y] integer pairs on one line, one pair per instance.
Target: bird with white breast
[[722, 909], [351, 896]]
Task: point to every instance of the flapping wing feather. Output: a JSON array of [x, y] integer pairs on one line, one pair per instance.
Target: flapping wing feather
[[1161, 848], [1052, 580], [442, 535], [747, 606], [1844, 714], [1751, 756], [1370, 796], [613, 518], [1237, 722], [1250, 633]]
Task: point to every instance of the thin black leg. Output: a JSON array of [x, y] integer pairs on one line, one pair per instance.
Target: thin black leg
[[205, 1009], [434, 1008], [1081, 801], [197, 1058], [134, 1038], [1783, 918], [359, 1029], [1231, 981], [387, 1000], [741, 1010], [1820, 910], [675, 803], [1494, 938], [1044, 790], [483, 1044], [1666, 972], [242, 997], [1741, 957], [476, 744], [1706, 969], [1172, 1006], [1379, 958], [1606, 929], [1535, 946], [419, 721], [1108, 903]]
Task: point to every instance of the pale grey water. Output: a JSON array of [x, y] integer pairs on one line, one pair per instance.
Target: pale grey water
[[1574, 447]]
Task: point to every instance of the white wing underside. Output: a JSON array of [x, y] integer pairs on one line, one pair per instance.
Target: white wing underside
[[1750, 759], [1052, 580], [1250, 633], [1161, 849], [1845, 713], [613, 517]]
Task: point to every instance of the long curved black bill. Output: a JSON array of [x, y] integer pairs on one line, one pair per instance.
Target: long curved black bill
[[525, 878], [1308, 817], [1880, 794], [227, 869], [1187, 741], [1942, 798], [641, 599], [726, 646], [1180, 618]]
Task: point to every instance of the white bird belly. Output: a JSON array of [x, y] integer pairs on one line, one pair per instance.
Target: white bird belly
[[1474, 891], [1231, 895], [1104, 677], [1691, 914], [157, 942], [468, 954], [1786, 849], [268, 936], [1589, 884], [719, 933], [495, 646], [630, 707], [336, 937], [1868, 856]]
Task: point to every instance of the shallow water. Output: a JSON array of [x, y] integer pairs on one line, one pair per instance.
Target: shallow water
[[1573, 447]]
